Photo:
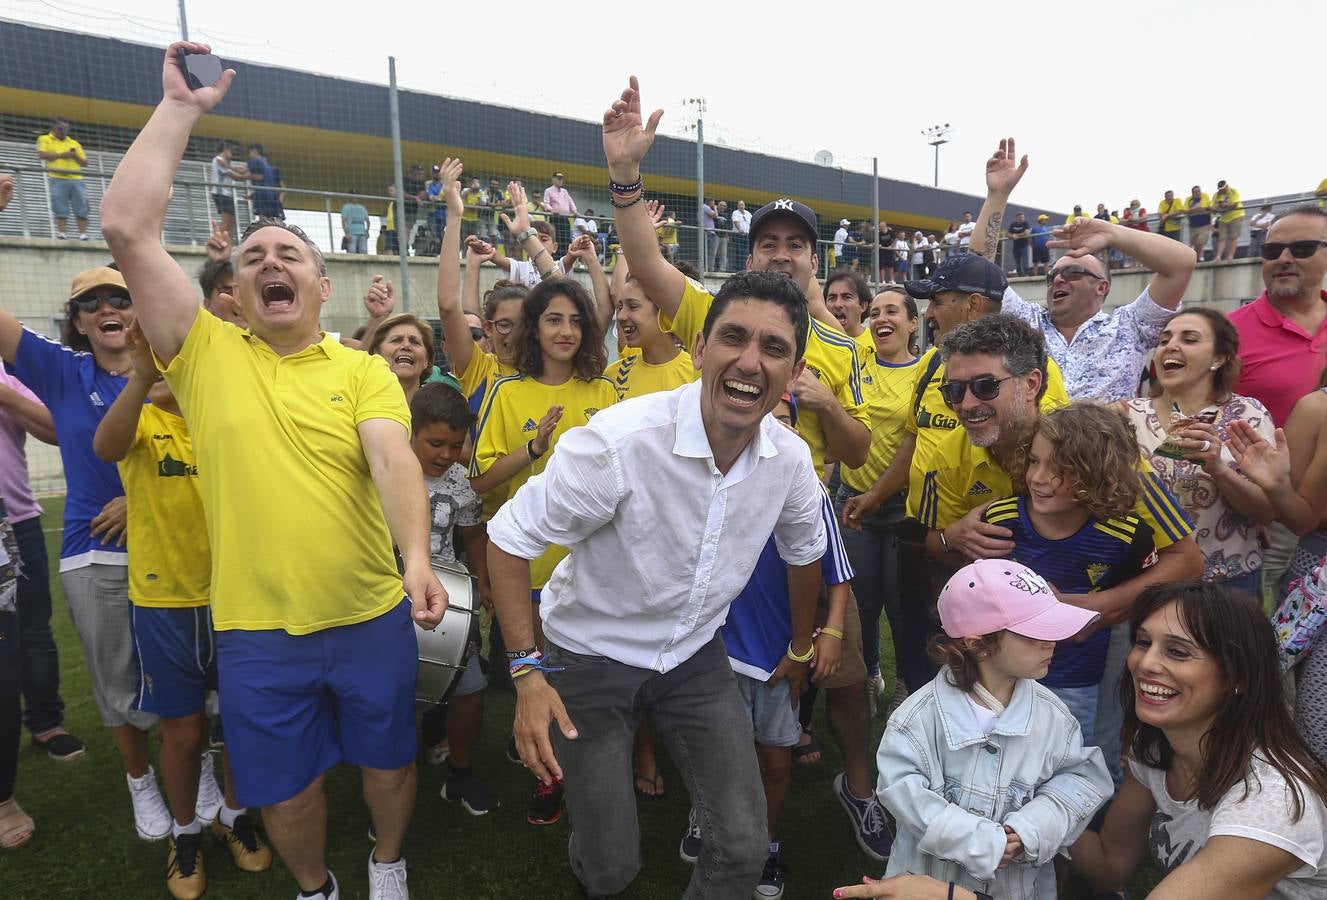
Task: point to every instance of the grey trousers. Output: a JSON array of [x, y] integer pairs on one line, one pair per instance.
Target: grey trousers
[[697, 712]]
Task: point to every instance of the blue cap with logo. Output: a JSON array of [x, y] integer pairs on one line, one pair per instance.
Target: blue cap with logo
[[785, 209], [970, 273]]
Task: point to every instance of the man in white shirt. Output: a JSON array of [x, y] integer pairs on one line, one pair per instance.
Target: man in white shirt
[[840, 238], [665, 502], [965, 233], [741, 230]]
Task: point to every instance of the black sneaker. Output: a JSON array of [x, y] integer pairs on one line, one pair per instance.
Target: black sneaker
[[545, 806], [770, 886], [62, 746], [513, 755], [689, 848], [475, 797]]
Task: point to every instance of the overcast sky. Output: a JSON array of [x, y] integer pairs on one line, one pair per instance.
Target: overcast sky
[[1111, 101]]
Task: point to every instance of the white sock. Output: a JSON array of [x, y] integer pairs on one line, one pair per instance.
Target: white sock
[[140, 784], [227, 816], [194, 827]]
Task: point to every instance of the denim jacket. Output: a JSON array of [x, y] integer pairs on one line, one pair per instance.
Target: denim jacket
[[951, 788]]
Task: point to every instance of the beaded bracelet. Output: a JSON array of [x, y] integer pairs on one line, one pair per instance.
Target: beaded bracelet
[[616, 205], [616, 188]]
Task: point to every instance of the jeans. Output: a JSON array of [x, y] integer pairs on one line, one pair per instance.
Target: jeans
[[10, 727], [721, 254], [43, 708], [1110, 715], [873, 552], [1019, 257], [711, 248], [67, 194], [1256, 239], [741, 243], [919, 584], [697, 712], [357, 243], [1082, 702]]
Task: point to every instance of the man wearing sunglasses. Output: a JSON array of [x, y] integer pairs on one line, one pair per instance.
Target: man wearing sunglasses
[[1102, 354], [1282, 334]]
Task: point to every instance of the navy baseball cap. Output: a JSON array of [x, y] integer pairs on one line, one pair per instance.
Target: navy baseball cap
[[785, 209], [970, 273]]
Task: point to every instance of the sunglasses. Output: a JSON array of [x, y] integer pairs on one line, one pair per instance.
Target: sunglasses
[[1071, 273], [476, 334], [984, 387], [92, 304], [502, 326], [1298, 249]]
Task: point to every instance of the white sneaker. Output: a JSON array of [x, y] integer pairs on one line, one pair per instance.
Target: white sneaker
[[151, 817], [387, 880], [210, 797], [84, 236], [334, 895]]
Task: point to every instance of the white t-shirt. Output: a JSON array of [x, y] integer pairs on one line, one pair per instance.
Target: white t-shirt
[[451, 503], [986, 719], [965, 233], [1179, 830], [839, 237], [523, 271], [223, 182]]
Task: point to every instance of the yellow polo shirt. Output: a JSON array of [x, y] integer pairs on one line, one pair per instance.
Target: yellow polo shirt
[[934, 420], [296, 528], [510, 419], [169, 561], [1231, 196], [831, 356], [963, 477], [66, 169], [1166, 207], [632, 376]]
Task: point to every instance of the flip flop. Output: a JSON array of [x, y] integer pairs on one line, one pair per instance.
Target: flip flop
[[802, 751], [16, 826], [656, 784]]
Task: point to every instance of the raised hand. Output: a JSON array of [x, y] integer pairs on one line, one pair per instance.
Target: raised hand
[[583, 247], [1002, 174], [478, 252], [451, 186], [175, 87], [519, 221], [1082, 237], [1264, 465], [655, 209], [218, 245], [380, 299], [627, 136], [145, 367], [547, 425], [6, 190]]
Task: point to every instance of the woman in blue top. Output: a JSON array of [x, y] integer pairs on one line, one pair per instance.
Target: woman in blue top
[[78, 379]]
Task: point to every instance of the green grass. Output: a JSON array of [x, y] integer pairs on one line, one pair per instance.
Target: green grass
[[85, 845]]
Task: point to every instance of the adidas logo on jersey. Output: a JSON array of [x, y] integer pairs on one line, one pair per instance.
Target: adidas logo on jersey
[[530, 425], [977, 489]]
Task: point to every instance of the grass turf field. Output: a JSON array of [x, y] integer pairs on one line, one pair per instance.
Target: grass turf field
[[85, 844]]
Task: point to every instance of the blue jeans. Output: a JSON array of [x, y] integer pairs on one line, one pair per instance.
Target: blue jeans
[[1082, 702], [1110, 715], [698, 713], [357, 243], [43, 708], [873, 552]]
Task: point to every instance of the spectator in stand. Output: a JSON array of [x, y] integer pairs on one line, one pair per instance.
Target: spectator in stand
[[965, 233], [722, 231], [1077, 213], [666, 231], [1136, 217], [495, 200], [355, 224], [559, 205], [224, 175], [1041, 236], [951, 240], [1200, 221], [413, 184], [592, 231], [390, 243], [1171, 211], [266, 180], [65, 159], [839, 258], [1258, 225], [901, 256], [434, 194], [473, 198], [1230, 220], [741, 232], [920, 245], [1018, 237], [1102, 213]]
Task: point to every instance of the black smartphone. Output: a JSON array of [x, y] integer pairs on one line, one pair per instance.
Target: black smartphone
[[200, 69]]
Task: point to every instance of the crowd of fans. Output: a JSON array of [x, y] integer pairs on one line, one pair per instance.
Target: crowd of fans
[[1064, 519]]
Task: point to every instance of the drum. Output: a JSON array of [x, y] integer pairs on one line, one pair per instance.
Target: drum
[[444, 651]]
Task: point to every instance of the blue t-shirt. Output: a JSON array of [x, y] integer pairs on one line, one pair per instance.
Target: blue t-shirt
[[1041, 235], [78, 393], [759, 624], [433, 190], [1099, 555], [357, 219]]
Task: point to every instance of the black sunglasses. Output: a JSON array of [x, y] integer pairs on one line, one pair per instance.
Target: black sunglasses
[[984, 387], [1071, 273], [477, 334], [92, 304], [1298, 249]]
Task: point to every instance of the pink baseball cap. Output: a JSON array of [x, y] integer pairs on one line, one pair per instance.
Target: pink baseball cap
[[991, 595]]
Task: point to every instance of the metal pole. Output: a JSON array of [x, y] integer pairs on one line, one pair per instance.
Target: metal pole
[[700, 184], [22, 204], [331, 238], [875, 216], [937, 165], [184, 23], [401, 247]]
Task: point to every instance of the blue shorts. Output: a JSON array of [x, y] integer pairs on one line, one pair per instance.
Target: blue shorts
[[294, 705], [773, 717], [67, 193], [177, 659]]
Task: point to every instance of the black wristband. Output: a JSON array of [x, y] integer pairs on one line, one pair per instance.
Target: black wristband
[[529, 449], [616, 188], [639, 197], [515, 655]]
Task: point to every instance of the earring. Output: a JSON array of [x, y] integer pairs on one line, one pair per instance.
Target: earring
[[1214, 368]]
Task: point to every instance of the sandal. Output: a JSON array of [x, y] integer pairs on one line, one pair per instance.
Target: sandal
[[16, 826], [803, 752], [654, 789]]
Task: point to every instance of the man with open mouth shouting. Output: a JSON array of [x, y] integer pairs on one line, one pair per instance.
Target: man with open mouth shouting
[[303, 453]]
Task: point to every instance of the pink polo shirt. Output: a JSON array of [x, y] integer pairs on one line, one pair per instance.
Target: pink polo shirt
[[1282, 362], [15, 489], [558, 200]]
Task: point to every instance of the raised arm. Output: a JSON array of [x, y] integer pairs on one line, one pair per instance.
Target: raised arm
[[1002, 176], [134, 208], [455, 330], [587, 251], [519, 225], [115, 433], [627, 138], [379, 303], [1172, 261]]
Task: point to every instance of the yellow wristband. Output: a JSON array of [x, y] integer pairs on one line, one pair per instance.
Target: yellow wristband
[[832, 632], [807, 657]]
